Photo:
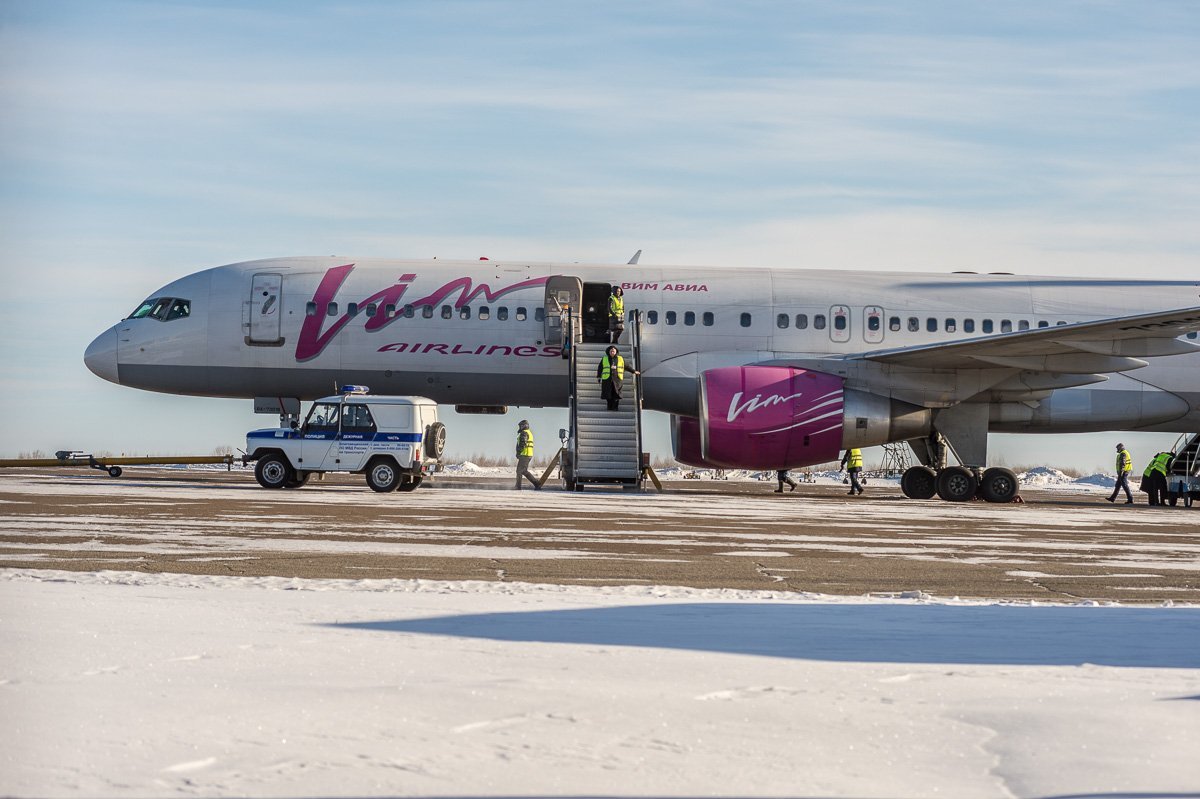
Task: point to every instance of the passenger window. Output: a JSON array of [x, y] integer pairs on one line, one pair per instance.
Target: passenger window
[[484, 312], [1023, 324], [894, 324], [914, 324], [931, 325], [708, 320], [670, 317], [1005, 325], [409, 312], [801, 321], [464, 312], [819, 321], [331, 309], [372, 309], [781, 321], [389, 310], [951, 325], [1059, 324], [427, 312], [652, 317], [180, 309], [310, 309], [352, 308], [839, 321], [988, 327], [746, 320], [447, 312], [502, 313], [521, 314], [1043, 323], [874, 323], [689, 318], [968, 325], [539, 314]]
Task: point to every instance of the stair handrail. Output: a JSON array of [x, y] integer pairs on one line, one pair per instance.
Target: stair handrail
[[636, 342], [572, 392]]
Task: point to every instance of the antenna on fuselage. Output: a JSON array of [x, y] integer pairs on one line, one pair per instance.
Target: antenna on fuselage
[[635, 257]]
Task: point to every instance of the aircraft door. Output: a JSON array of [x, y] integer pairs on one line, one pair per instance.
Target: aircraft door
[[839, 323], [562, 291], [873, 324], [266, 299]]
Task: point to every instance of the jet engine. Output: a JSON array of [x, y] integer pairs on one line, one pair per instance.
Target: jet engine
[[780, 417]]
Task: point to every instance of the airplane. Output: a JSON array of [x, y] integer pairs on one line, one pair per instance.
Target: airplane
[[758, 368]]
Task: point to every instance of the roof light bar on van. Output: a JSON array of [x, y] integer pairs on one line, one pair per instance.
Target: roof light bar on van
[[354, 390]]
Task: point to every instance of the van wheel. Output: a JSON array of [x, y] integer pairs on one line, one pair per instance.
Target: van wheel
[[273, 471], [435, 440], [919, 482], [382, 475], [411, 484], [999, 485], [956, 484]]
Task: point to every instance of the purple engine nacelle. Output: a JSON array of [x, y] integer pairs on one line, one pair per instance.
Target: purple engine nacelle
[[779, 417]]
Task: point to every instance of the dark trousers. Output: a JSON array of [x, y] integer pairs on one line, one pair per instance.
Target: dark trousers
[[783, 477], [855, 486], [1157, 488], [523, 471], [1122, 483]]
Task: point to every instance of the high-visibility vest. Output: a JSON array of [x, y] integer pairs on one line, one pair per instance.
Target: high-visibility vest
[[855, 460], [1159, 464], [605, 366], [616, 306], [525, 444], [1124, 462]]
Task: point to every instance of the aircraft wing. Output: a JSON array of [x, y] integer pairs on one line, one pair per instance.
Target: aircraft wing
[[1106, 345]]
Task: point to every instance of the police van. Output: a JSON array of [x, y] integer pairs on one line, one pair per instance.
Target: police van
[[394, 441]]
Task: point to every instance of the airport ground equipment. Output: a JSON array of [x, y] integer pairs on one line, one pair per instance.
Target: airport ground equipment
[[605, 447], [66, 457], [395, 442], [1183, 474]]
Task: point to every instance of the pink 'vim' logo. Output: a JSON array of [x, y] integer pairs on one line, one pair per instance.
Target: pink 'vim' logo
[[312, 341]]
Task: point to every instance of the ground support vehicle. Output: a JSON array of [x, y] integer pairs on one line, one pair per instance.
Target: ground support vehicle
[[395, 442]]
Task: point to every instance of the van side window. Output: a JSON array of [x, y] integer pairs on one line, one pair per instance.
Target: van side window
[[819, 321], [323, 418], [708, 320], [746, 320], [782, 321], [357, 418]]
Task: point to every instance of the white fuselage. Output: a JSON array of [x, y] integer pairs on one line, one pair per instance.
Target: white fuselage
[[475, 332]]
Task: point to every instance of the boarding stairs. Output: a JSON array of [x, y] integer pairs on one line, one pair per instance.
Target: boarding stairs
[[605, 446], [1183, 473]]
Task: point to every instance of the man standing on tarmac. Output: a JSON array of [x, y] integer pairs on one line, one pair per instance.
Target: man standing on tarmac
[[525, 454], [1124, 467], [852, 463]]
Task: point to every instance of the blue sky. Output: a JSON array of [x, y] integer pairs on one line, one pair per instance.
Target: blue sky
[[140, 141]]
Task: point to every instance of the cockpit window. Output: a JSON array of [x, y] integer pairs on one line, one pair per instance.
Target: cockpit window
[[164, 309]]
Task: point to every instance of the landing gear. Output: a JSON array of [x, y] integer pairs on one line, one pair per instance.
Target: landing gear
[[999, 485], [919, 482], [956, 484]]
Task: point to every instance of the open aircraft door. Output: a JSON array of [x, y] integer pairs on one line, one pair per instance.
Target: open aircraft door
[[562, 292], [266, 312]]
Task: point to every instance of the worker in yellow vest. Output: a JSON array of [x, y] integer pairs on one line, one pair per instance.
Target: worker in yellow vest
[[611, 374], [525, 455], [1124, 467], [616, 314], [1154, 479], [852, 463]]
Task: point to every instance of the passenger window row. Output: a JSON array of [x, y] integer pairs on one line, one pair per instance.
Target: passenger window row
[[707, 319], [391, 311]]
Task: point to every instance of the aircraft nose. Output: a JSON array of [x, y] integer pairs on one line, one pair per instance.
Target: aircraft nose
[[101, 356]]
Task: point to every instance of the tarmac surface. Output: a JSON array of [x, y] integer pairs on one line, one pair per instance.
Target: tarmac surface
[[1058, 547]]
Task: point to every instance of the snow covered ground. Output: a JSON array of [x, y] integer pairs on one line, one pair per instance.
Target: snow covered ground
[[123, 684]]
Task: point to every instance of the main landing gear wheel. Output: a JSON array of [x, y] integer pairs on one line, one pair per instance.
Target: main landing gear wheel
[[956, 484], [273, 471], [382, 475], [999, 485], [919, 482], [411, 484]]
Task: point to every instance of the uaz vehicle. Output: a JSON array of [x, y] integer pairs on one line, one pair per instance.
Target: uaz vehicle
[[394, 441]]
